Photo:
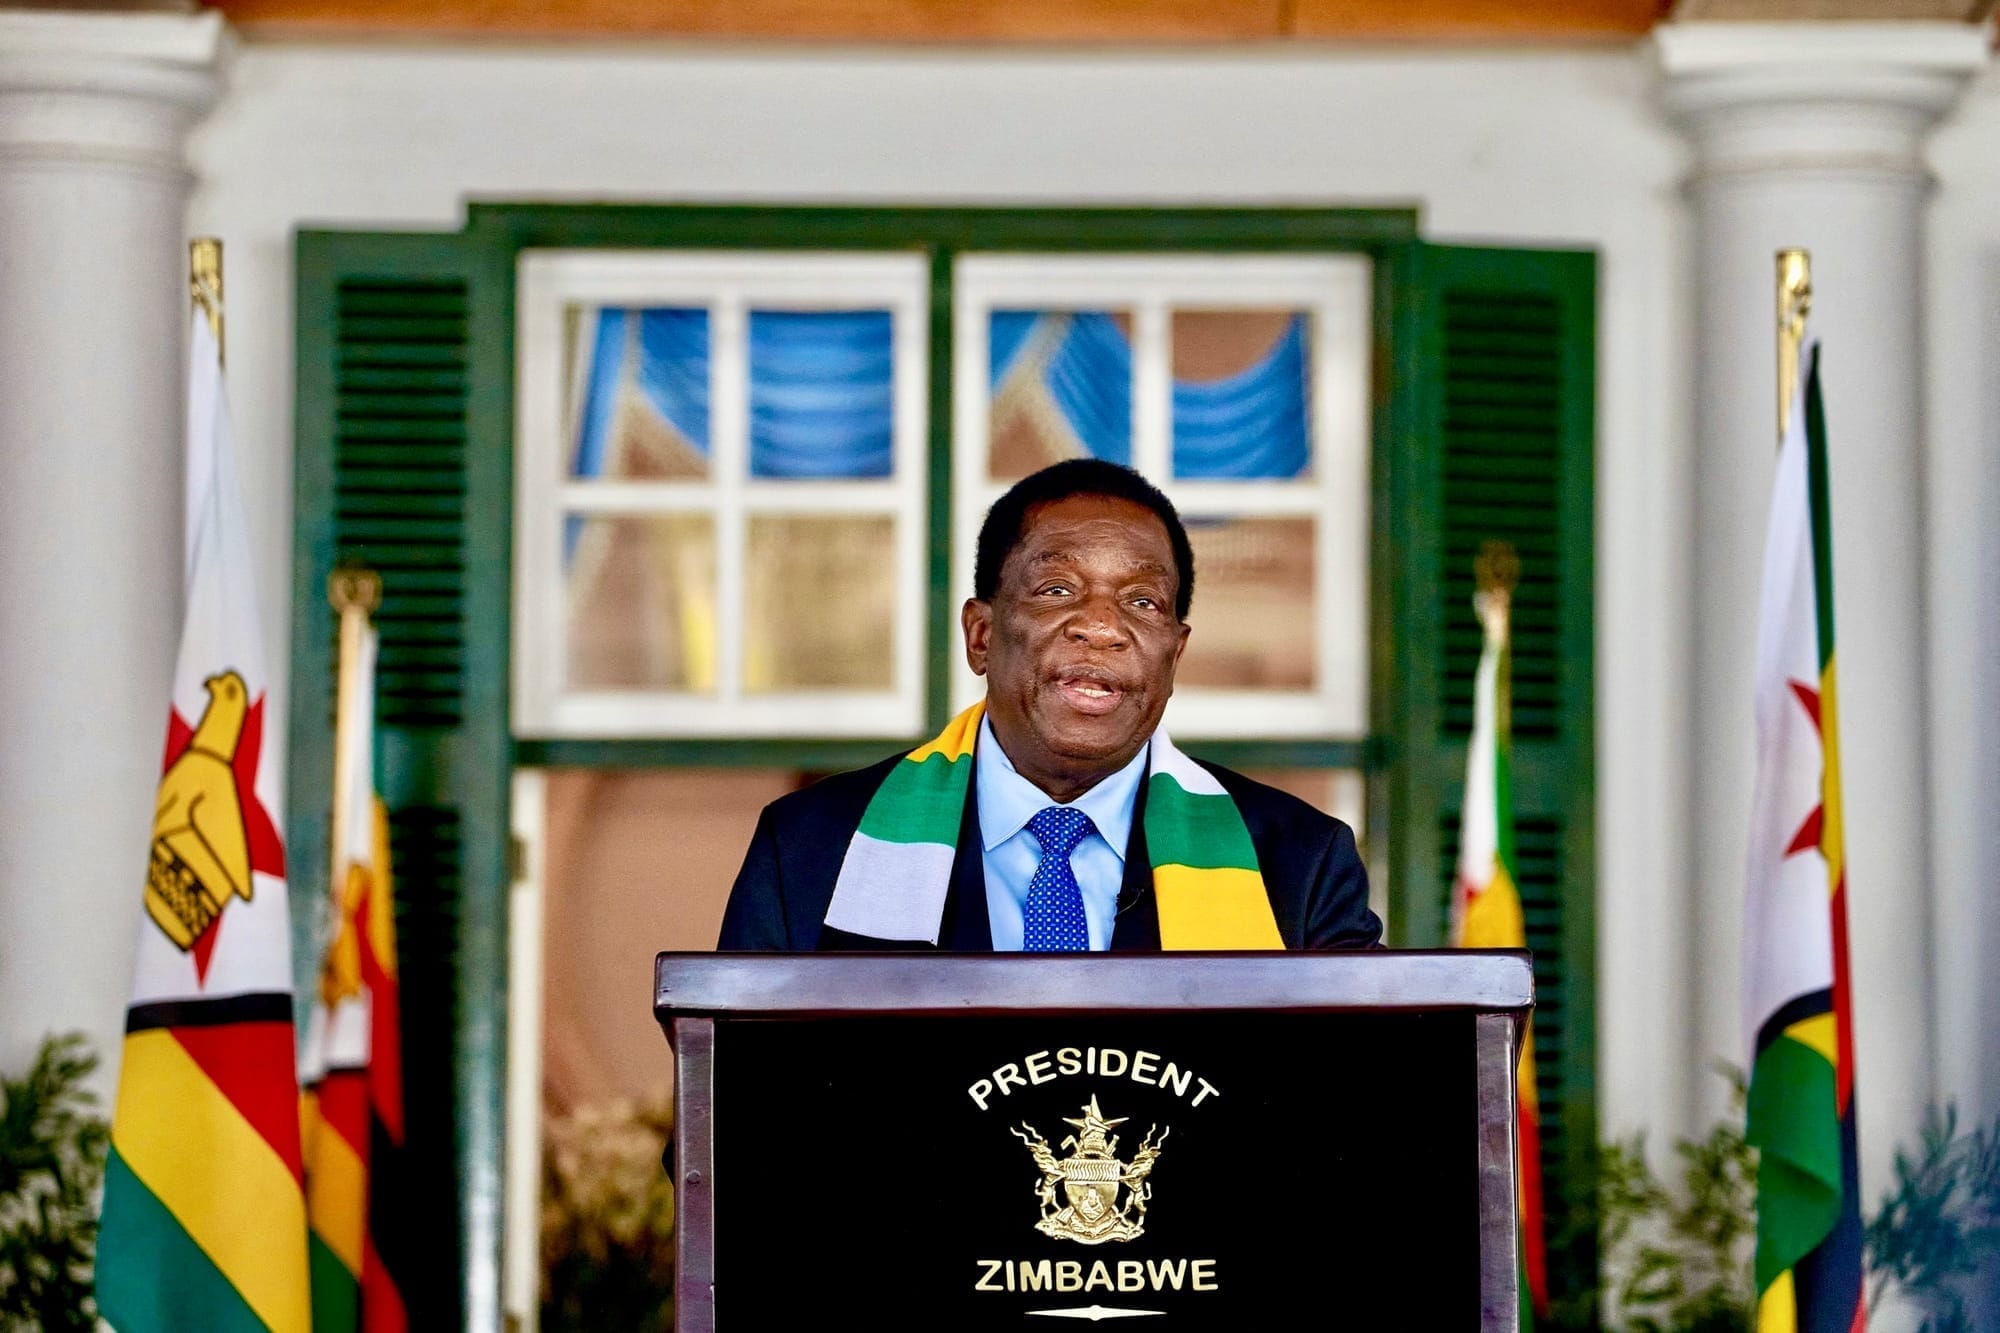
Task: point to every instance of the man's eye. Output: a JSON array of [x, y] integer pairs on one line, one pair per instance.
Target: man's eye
[[1147, 602], [1056, 590]]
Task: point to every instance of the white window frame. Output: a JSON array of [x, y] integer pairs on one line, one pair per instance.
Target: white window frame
[[728, 284], [1335, 291]]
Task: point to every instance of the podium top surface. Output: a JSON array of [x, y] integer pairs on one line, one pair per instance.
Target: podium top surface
[[695, 985]]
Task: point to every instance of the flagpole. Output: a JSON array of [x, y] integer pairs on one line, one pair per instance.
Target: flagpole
[[355, 594], [205, 283], [1496, 570], [1794, 304]]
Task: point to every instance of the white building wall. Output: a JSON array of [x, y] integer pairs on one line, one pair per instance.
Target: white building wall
[[1553, 147], [1963, 558]]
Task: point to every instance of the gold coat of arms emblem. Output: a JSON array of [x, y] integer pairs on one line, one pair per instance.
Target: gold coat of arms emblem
[[202, 855], [1092, 1195]]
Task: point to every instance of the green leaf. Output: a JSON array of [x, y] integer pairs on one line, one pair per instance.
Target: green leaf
[[52, 1147]]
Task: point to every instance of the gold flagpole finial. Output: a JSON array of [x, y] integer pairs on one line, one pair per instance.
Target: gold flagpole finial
[[1497, 568], [205, 283], [352, 587], [1794, 304], [1496, 572]]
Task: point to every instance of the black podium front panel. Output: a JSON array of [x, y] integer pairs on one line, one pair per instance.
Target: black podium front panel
[[1196, 1171]]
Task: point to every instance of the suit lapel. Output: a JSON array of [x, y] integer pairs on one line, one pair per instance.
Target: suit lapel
[[1136, 929], [965, 927]]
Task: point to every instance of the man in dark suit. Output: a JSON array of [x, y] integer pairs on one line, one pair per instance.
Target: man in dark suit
[[1082, 586]]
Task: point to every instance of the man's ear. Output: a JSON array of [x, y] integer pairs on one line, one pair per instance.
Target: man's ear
[[975, 618], [1180, 649]]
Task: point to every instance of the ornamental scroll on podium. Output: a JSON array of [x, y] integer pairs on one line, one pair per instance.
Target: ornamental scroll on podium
[[1186, 1141]]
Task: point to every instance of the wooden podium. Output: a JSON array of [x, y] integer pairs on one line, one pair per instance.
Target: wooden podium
[[1185, 1141]]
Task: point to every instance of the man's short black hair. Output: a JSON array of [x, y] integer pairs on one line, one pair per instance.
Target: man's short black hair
[[1001, 532]]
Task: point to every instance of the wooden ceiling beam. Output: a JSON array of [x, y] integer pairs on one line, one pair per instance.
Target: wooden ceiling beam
[[1028, 22], [1477, 20], [894, 21], [1834, 11]]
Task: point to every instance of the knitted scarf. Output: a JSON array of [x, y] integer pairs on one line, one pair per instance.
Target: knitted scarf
[[897, 871]]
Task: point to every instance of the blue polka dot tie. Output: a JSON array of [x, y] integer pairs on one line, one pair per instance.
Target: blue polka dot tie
[[1052, 919]]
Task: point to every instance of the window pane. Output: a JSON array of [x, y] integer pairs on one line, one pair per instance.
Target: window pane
[[1241, 394], [641, 602], [822, 601], [640, 394], [1061, 386], [1253, 604], [821, 393]]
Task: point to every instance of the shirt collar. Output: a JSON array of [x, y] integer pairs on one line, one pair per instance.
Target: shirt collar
[[1007, 801]]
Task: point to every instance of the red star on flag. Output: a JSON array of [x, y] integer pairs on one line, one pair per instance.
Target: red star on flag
[[1807, 839]]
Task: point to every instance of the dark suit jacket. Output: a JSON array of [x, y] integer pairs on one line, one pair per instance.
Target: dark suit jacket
[[1311, 868]]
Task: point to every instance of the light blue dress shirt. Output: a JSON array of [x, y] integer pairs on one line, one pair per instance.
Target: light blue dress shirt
[[1007, 801]]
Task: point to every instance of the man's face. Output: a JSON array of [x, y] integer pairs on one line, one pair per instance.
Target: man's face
[[1080, 641]]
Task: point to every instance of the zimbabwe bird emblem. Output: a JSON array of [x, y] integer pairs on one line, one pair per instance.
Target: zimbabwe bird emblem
[[209, 831], [1091, 1180]]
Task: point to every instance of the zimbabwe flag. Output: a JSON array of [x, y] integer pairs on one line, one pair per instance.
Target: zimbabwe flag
[[1486, 902], [1798, 1017], [204, 1222], [352, 1070]]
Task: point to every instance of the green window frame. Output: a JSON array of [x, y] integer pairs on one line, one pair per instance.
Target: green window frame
[[1483, 425]]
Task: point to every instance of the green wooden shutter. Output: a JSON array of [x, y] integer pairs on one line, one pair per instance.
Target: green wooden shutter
[[1497, 355], [391, 473]]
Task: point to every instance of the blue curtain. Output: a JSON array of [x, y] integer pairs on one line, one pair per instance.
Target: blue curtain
[[600, 394], [1090, 377], [821, 388], [1252, 425], [822, 393], [1006, 334], [671, 370]]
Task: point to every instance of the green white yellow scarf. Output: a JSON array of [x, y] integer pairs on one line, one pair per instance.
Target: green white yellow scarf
[[897, 872]]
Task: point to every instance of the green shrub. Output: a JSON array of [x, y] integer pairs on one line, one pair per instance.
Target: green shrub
[[608, 1219], [1940, 1226], [1678, 1259], [52, 1146]]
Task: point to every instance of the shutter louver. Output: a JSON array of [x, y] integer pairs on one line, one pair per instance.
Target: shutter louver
[[399, 487], [386, 478], [1498, 362], [399, 509], [1501, 457], [425, 849]]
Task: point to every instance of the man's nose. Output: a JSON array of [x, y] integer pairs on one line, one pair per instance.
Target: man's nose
[[1097, 624]]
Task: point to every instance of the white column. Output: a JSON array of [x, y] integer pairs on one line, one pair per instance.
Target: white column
[[1811, 135], [94, 111]]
